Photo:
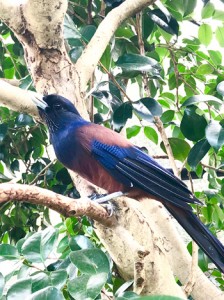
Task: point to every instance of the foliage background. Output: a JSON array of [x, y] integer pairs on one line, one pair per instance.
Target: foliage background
[[177, 74]]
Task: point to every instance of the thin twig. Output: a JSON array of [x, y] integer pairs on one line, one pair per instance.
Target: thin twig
[[115, 82], [42, 171], [89, 10], [8, 52], [212, 168]]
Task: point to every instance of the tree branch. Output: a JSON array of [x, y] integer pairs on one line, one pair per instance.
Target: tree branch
[[96, 47], [64, 205], [17, 99]]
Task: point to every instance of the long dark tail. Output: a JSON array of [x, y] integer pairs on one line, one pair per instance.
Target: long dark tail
[[200, 234]]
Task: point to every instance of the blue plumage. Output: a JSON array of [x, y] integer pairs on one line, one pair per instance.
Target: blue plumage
[[109, 161]]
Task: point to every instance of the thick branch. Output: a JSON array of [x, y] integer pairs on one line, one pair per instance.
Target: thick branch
[[17, 99], [64, 205], [96, 47]]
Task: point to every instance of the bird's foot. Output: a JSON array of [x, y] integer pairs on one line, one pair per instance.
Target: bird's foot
[[104, 200], [107, 197]]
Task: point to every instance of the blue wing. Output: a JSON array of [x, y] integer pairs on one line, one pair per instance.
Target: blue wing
[[136, 169]]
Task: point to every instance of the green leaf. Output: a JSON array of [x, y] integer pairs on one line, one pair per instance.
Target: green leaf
[[147, 108], [87, 286], [219, 33], [90, 261], [122, 114], [132, 131], [19, 290], [48, 239], [205, 34], [167, 116], [31, 248], [3, 131], [87, 32], [135, 62], [207, 10], [192, 124], [8, 252], [215, 56], [202, 98], [179, 147], [2, 284], [48, 293], [151, 134], [24, 119], [58, 278], [205, 69], [40, 281], [197, 152], [215, 134], [218, 15], [220, 88], [75, 53], [164, 20], [70, 29], [80, 242], [133, 296], [39, 245]]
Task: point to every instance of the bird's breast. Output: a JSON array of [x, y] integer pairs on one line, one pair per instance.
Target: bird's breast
[[73, 154]]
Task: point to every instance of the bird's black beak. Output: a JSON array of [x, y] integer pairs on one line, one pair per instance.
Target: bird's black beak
[[38, 101]]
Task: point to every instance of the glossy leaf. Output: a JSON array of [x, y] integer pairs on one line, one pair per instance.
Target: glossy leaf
[[24, 119], [3, 131], [75, 53], [192, 124], [58, 278], [205, 69], [80, 242], [215, 134], [179, 147], [151, 134], [147, 108], [167, 116], [220, 88], [70, 29], [87, 286], [207, 10], [122, 114], [197, 152], [215, 56], [39, 245], [48, 293], [202, 98], [219, 33], [133, 296], [40, 281], [8, 252], [90, 261], [19, 290], [87, 32], [2, 284], [164, 20], [135, 62], [132, 131], [205, 34]]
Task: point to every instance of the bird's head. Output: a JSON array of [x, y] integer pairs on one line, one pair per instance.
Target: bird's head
[[55, 110]]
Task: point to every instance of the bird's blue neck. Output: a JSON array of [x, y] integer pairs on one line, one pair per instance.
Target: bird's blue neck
[[64, 139]]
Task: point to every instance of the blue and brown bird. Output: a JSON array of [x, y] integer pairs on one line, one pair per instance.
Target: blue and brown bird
[[108, 160]]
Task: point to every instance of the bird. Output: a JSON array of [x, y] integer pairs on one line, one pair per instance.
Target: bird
[[109, 161]]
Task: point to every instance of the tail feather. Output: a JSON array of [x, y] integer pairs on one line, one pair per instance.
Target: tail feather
[[200, 234]]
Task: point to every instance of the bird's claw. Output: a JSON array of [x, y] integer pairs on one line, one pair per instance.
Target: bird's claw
[[109, 208], [104, 200]]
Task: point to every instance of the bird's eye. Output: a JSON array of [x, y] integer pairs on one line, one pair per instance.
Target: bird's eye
[[57, 106]]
